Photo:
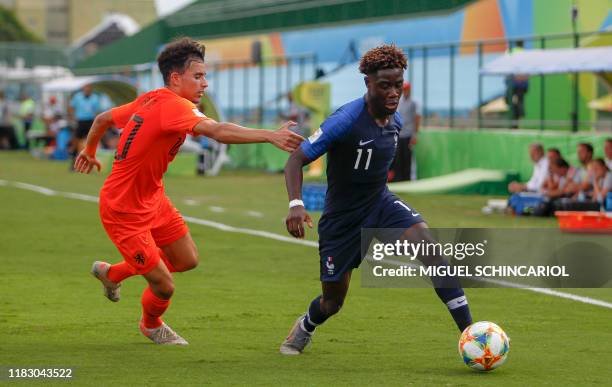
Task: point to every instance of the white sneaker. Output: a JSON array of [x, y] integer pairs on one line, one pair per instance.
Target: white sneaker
[[163, 334], [112, 291], [297, 340]]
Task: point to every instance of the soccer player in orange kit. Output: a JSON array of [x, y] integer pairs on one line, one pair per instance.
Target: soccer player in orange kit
[[138, 217]]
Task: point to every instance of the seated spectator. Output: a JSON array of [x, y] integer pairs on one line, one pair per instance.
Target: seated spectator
[[584, 151], [8, 139], [608, 152], [601, 180], [553, 154], [540, 171], [560, 182], [53, 117]]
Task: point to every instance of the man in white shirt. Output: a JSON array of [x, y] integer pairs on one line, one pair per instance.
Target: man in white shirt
[[540, 171]]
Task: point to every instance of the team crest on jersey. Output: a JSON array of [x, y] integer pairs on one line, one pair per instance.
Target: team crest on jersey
[[330, 265], [315, 136]]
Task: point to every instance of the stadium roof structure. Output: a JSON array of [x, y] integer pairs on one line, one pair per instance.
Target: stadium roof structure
[[222, 18], [118, 88], [552, 61]]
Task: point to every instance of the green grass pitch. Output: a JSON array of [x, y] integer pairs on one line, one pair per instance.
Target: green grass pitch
[[237, 306]]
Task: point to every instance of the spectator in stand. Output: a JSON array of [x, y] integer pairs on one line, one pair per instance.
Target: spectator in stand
[[26, 113], [84, 106], [8, 140], [297, 114], [560, 183], [584, 151], [54, 119], [517, 87], [608, 152], [553, 154], [540, 171], [601, 180], [408, 110]]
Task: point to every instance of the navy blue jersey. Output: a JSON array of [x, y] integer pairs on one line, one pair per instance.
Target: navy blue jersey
[[359, 155]]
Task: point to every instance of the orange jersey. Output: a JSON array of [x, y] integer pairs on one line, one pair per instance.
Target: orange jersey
[[154, 128]]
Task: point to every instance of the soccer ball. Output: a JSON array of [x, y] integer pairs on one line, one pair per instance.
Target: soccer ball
[[484, 346]]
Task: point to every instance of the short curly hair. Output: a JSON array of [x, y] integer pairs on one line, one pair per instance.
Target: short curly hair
[[177, 56], [381, 58]]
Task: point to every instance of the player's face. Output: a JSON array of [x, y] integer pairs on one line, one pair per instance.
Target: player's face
[[384, 90], [192, 82]]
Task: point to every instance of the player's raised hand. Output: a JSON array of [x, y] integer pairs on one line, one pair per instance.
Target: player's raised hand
[[295, 221], [85, 162], [285, 139]]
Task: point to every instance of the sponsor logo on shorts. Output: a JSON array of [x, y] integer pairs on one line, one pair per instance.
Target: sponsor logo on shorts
[[330, 265], [139, 258]]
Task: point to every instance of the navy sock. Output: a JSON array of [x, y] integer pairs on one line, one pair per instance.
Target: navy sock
[[457, 305], [315, 316]]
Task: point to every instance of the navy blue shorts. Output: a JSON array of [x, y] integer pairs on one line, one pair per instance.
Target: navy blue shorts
[[340, 249]]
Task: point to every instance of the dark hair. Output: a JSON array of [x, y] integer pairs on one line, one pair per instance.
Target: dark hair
[[588, 146], [609, 139], [555, 150], [601, 162], [561, 163], [177, 56], [381, 58]]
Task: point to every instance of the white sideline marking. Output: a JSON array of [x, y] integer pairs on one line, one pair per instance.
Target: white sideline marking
[[255, 214], [191, 202], [216, 209], [282, 238]]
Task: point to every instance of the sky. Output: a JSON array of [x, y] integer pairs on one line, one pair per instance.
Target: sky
[[165, 7]]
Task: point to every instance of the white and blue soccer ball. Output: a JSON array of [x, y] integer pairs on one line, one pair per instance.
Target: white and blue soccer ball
[[484, 346]]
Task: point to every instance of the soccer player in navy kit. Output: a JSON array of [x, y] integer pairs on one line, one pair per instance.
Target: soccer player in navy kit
[[360, 140]]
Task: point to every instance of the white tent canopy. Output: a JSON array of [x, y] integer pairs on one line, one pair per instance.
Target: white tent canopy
[[553, 61], [118, 88]]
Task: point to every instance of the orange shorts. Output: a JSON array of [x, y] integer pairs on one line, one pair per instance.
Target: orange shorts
[[139, 236]]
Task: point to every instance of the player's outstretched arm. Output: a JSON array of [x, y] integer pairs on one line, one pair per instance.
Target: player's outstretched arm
[[229, 133], [294, 178], [86, 160]]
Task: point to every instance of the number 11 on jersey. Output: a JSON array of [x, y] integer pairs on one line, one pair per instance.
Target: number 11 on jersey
[[367, 163]]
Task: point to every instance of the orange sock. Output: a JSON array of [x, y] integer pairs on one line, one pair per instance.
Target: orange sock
[[152, 308], [120, 271], [164, 258]]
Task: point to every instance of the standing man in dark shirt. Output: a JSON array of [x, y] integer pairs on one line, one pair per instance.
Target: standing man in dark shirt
[[360, 140]]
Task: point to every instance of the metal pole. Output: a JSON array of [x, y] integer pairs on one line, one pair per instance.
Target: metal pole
[[289, 75], [279, 90], [575, 114], [542, 89], [576, 76], [479, 85], [262, 83], [302, 69], [410, 64], [452, 86], [424, 86], [230, 90], [245, 96]]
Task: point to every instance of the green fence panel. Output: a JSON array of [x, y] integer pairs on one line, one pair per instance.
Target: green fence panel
[[441, 151]]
